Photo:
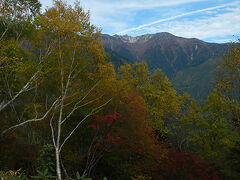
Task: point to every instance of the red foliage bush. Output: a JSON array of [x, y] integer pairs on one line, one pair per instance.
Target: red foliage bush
[[112, 139], [185, 166]]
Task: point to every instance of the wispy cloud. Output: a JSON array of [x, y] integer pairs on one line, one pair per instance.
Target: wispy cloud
[[204, 19], [114, 15], [175, 17], [116, 5], [217, 28]]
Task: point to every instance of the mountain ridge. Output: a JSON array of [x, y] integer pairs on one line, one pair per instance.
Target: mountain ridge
[[166, 51]]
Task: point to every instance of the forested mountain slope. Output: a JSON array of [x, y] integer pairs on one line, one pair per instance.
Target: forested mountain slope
[[190, 64]]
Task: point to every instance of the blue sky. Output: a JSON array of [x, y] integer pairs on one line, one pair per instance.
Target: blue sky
[[209, 20]]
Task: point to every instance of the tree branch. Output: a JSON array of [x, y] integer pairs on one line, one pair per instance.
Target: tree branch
[[25, 88], [35, 119], [76, 107], [91, 113]]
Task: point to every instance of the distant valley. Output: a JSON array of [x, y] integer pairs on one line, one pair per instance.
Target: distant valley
[[189, 63]]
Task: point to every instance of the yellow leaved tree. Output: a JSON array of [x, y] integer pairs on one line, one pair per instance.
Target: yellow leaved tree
[[69, 53]]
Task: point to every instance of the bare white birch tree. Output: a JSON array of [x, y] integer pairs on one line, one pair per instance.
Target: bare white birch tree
[[69, 69]]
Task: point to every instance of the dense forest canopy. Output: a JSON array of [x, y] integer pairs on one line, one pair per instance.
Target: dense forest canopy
[[67, 113]]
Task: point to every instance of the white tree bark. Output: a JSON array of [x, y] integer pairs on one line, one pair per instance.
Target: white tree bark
[[57, 109], [25, 88], [56, 138]]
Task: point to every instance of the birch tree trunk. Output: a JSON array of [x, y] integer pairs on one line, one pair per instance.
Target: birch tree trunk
[[73, 50], [58, 166]]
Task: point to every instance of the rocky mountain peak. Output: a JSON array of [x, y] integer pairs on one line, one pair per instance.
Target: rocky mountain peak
[[142, 38]]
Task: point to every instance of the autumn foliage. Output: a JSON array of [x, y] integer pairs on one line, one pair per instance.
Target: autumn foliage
[[126, 123], [185, 166]]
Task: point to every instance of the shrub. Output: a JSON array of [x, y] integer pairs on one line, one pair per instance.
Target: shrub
[[185, 166]]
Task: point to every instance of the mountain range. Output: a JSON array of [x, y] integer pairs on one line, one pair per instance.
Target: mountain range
[[189, 63]]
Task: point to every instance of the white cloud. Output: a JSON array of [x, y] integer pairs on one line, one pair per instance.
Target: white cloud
[[109, 23], [174, 17], [119, 15], [113, 9], [115, 5], [220, 25], [224, 40]]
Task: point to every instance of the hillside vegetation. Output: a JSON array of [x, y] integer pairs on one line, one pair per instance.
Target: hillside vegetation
[[66, 112]]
